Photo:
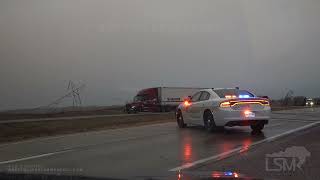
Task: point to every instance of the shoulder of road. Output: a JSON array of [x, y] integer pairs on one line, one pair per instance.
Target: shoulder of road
[[253, 162]]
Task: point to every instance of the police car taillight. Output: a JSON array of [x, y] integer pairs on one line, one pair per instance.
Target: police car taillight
[[225, 104], [230, 96], [186, 103], [265, 103], [231, 103]]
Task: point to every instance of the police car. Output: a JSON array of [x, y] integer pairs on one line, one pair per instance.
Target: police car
[[221, 107]]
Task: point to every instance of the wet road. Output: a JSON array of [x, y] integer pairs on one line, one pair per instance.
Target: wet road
[[151, 150]]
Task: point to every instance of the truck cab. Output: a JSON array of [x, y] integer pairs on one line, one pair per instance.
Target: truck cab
[[146, 100], [159, 99], [309, 102]]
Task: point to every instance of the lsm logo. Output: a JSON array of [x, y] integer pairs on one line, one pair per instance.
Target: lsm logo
[[289, 160]]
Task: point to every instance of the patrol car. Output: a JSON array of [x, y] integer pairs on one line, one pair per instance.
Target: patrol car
[[213, 108]]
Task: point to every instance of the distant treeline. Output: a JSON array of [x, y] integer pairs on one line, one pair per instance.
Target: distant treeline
[[294, 101]]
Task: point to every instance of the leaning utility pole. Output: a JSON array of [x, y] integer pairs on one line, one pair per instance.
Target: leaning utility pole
[[75, 93], [288, 98]]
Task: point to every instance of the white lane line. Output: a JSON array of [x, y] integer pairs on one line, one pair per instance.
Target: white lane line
[[240, 149], [33, 157], [72, 149], [216, 157]]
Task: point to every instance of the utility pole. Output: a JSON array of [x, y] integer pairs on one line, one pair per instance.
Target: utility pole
[[288, 98], [75, 94]]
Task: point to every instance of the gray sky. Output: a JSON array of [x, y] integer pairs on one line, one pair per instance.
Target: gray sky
[[117, 47]]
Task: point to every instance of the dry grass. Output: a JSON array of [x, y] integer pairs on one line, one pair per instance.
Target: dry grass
[[26, 130], [24, 115], [281, 108]]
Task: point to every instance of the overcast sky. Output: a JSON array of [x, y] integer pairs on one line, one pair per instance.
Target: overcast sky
[[117, 47]]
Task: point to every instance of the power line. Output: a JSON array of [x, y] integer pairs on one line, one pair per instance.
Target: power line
[[73, 92]]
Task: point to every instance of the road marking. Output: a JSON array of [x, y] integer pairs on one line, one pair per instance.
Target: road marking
[[229, 153], [241, 149], [34, 157], [216, 157], [72, 149]]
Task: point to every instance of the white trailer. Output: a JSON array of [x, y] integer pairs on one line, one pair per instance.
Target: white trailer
[[173, 96], [159, 99]]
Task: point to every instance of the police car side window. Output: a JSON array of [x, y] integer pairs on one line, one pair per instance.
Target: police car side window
[[196, 97], [204, 96]]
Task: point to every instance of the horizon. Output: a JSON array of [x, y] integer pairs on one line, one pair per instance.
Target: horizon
[[117, 48]]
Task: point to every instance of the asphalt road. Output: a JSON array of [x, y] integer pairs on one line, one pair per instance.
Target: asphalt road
[[254, 162], [152, 150]]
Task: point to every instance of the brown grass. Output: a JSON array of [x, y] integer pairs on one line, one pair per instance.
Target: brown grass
[[26, 130], [281, 108]]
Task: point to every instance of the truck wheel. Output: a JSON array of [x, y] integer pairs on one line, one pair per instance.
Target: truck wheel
[[257, 127], [161, 109], [164, 109], [132, 110], [168, 109], [209, 123], [180, 120]]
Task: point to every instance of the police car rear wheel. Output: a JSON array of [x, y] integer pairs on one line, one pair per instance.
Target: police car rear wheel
[[209, 123], [257, 127]]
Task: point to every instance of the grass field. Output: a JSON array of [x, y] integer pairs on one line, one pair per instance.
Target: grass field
[[26, 130]]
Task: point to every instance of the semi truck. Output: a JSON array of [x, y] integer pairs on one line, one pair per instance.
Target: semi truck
[[310, 102], [159, 99]]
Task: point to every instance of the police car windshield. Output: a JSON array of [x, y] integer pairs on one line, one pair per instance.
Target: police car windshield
[[222, 93]]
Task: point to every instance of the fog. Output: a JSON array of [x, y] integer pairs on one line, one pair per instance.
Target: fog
[[117, 47]]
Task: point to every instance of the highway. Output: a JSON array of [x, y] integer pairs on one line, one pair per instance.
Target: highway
[[151, 150]]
